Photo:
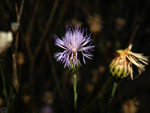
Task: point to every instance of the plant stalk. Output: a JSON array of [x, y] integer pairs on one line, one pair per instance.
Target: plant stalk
[[75, 90], [112, 95]]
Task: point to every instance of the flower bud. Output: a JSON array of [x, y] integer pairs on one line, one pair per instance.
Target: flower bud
[[118, 68]]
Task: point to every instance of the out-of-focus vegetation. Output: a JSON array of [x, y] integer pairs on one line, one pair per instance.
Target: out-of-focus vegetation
[[31, 81]]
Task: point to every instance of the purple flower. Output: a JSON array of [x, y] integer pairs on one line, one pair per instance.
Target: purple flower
[[73, 42]]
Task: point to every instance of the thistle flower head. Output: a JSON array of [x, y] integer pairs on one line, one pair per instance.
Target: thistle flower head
[[73, 42], [121, 65]]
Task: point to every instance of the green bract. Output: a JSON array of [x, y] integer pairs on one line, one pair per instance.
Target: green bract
[[74, 69], [117, 71]]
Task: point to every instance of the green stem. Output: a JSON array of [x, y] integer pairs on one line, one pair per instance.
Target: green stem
[[75, 90], [112, 95]]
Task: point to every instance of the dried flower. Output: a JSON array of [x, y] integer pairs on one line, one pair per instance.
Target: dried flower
[[130, 106], [20, 59], [48, 97], [120, 22], [5, 40], [27, 99], [73, 42], [121, 66], [95, 23]]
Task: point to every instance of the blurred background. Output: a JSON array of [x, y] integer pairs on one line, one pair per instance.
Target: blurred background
[[31, 81]]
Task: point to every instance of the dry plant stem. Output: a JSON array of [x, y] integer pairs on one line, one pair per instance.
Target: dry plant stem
[[15, 84], [34, 56], [86, 8], [133, 34], [30, 28], [99, 95], [61, 13], [9, 5], [55, 76], [112, 95], [12, 88], [64, 79], [4, 84], [10, 98], [47, 28], [21, 8], [33, 18], [18, 15], [14, 77], [75, 90], [32, 81], [53, 68]]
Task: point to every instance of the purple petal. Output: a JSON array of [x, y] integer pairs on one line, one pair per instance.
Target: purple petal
[[60, 43], [86, 48]]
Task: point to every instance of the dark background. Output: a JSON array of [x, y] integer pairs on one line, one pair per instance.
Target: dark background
[[45, 84]]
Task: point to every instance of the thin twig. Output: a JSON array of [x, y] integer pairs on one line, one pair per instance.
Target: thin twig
[[64, 79], [55, 75], [18, 16], [30, 28], [46, 29], [33, 18], [52, 67], [133, 34], [12, 87], [34, 56], [112, 95], [15, 84], [4, 84], [21, 8], [32, 83], [17, 12], [28, 45], [16, 43], [9, 6], [62, 12], [100, 94], [14, 77]]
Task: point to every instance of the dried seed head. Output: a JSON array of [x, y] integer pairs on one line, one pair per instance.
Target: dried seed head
[[120, 23], [121, 66], [95, 22], [130, 106], [6, 39]]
